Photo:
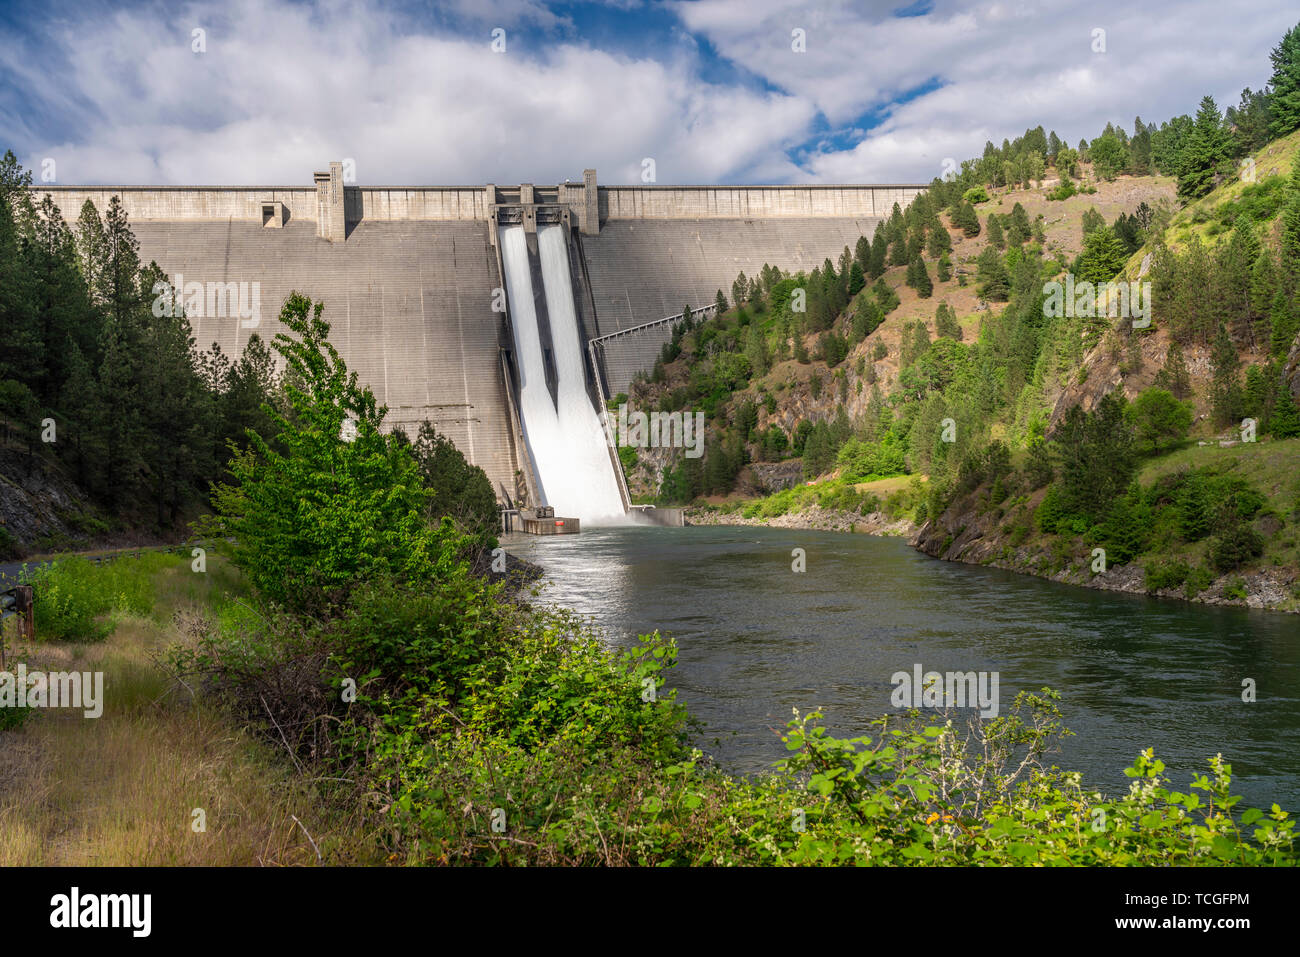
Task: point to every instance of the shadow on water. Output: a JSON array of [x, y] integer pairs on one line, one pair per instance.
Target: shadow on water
[[757, 639]]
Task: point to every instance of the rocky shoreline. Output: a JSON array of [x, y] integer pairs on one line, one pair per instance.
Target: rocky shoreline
[[1266, 589], [815, 518]]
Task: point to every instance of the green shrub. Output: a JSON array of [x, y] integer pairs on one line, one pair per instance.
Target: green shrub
[[1198, 579], [71, 595], [1162, 575], [1235, 547]]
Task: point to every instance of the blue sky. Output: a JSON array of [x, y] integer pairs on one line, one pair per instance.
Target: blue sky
[[724, 91]]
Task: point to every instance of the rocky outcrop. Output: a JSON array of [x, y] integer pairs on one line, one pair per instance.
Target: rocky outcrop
[[35, 504]]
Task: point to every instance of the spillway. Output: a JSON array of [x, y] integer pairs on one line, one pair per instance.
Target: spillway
[[564, 436]]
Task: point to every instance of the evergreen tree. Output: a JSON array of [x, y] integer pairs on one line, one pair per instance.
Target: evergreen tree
[[23, 355], [1092, 220], [1290, 240], [918, 277], [967, 220], [1285, 323], [995, 232], [1285, 98], [856, 279], [1285, 420], [898, 255], [879, 253], [1102, 258], [1173, 375], [756, 351], [862, 253], [886, 296], [945, 322], [740, 289], [1204, 156], [944, 268], [994, 281], [1225, 392], [939, 241]]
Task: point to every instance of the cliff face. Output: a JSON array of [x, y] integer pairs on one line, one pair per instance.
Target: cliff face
[[37, 506]]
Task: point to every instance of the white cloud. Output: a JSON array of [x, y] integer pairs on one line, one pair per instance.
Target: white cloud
[[285, 87], [1000, 68]]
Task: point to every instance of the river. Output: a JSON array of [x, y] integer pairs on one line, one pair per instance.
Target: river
[[756, 639]]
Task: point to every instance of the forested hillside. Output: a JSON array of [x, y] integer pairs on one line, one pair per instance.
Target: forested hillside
[[1037, 328]]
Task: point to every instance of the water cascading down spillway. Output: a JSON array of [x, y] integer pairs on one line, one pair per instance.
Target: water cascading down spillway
[[564, 434]]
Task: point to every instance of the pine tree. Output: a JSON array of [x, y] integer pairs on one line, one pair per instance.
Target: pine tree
[[1289, 247], [16, 194], [945, 322], [995, 236], [61, 303], [944, 268], [1285, 323], [939, 242], [898, 255], [92, 252], [740, 289], [719, 304], [918, 277], [1173, 375], [967, 219], [1285, 98], [879, 253], [856, 279], [1285, 420], [22, 356], [1225, 392], [994, 281], [1102, 258], [886, 296], [1203, 156]]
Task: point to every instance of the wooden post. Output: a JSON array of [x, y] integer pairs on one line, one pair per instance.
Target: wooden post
[[26, 609]]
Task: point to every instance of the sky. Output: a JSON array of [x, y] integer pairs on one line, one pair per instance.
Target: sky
[[236, 92]]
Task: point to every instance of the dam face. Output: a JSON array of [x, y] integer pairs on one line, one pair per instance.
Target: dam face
[[414, 287]]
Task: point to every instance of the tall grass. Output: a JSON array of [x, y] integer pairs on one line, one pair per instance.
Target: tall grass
[[78, 601]]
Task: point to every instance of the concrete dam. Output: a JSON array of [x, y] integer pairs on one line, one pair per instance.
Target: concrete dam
[[505, 315]]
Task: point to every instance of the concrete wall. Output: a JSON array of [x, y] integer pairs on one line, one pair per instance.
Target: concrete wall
[[409, 307], [461, 203], [185, 203], [742, 202]]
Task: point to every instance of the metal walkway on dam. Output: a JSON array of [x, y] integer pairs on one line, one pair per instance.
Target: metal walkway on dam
[[409, 276]]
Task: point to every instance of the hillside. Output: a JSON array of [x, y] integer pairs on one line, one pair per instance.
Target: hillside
[[933, 350]]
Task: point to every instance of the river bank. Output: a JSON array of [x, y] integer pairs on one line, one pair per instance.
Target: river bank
[[814, 517], [975, 539]]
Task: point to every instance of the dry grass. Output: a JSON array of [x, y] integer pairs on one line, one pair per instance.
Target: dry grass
[[122, 789]]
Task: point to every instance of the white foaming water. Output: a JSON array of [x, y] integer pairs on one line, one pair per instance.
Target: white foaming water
[[568, 445]]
